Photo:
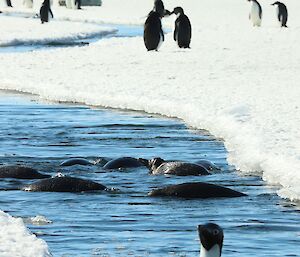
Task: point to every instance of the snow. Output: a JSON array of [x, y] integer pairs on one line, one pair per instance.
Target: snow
[[239, 82], [30, 31], [16, 240]]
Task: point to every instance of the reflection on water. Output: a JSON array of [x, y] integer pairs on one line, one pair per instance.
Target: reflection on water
[[127, 222]]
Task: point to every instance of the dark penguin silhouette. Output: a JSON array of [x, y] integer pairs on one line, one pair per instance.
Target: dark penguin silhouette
[[78, 4], [45, 10], [195, 190], [20, 172], [183, 29], [123, 162], [282, 13], [153, 33], [159, 166], [8, 2], [160, 8], [64, 184], [211, 238]]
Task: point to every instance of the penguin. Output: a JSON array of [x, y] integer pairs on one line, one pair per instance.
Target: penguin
[[8, 2], [78, 4], [256, 13], [160, 8], [153, 33], [211, 238], [183, 29], [45, 11], [282, 13]]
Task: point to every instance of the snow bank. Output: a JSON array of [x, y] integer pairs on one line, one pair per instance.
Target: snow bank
[[16, 240], [25, 31], [239, 82]]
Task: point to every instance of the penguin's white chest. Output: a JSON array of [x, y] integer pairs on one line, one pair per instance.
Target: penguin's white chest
[[213, 252], [254, 14]]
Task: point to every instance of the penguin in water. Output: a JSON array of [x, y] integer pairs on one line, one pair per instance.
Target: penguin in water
[[211, 239], [256, 13], [183, 29], [153, 33], [282, 13], [45, 11], [160, 8]]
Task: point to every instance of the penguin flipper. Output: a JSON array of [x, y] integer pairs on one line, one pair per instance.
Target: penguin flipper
[[51, 13], [175, 33]]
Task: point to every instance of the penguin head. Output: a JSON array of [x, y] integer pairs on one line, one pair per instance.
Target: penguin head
[[154, 163], [211, 235], [276, 3], [178, 11]]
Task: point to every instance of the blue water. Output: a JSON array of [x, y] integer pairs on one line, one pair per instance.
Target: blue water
[[128, 222]]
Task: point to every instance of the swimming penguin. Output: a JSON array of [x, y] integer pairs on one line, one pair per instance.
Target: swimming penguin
[[160, 8], [153, 33], [45, 11], [183, 29], [195, 190], [159, 166], [282, 13], [20, 172], [211, 239], [256, 13]]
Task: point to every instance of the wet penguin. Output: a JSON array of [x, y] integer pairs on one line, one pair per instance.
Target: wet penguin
[[256, 13], [45, 11], [211, 239], [282, 13], [153, 33], [183, 29]]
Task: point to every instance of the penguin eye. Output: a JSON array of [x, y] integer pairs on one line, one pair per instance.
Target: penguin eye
[[215, 232]]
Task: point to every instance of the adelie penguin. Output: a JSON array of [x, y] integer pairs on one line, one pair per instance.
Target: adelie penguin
[[256, 13], [45, 11], [160, 8], [153, 33], [183, 29], [282, 13], [211, 239]]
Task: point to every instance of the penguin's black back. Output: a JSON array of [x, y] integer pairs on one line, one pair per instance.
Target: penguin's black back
[[44, 11], [282, 14], [183, 31], [152, 31]]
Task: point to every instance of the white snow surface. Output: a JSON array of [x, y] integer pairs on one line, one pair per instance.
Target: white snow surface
[[26, 31], [17, 241], [240, 83]]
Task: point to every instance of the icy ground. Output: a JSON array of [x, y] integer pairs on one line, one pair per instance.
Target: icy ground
[[239, 82]]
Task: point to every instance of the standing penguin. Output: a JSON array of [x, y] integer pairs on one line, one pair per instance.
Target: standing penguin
[[153, 33], [183, 29], [282, 13], [45, 11], [256, 13], [8, 2], [78, 4]]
